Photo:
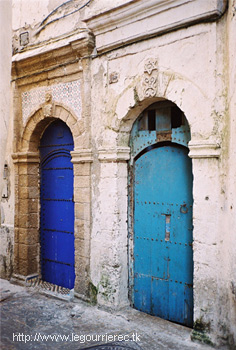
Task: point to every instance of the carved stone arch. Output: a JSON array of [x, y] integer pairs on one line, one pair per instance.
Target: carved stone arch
[[40, 119], [170, 86]]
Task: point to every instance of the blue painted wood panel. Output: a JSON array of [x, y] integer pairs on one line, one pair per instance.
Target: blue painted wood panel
[[163, 261], [57, 206]]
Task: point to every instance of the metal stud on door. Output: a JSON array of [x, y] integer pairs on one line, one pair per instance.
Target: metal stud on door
[[57, 206]]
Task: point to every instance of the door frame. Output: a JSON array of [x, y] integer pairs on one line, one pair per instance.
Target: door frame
[[26, 161]]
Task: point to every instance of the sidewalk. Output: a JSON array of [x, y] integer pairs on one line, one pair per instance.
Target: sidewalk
[[29, 320]]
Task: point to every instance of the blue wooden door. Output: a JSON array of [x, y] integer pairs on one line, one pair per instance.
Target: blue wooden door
[[57, 206], [163, 262]]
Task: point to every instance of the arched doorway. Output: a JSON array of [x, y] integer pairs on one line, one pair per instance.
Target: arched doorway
[[161, 201], [57, 205]]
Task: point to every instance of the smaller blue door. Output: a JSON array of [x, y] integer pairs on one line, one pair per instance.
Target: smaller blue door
[[57, 206]]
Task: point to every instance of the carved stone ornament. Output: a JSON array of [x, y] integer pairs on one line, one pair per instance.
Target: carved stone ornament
[[150, 78], [150, 66], [48, 106], [150, 85]]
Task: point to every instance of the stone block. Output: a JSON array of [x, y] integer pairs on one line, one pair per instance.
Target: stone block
[[33, 181], [72, 68], [82, 195], [82, 247], [33, 192], [81, 141], [22, 267], [23, 207], [22, 169], [33, 205], [23, 252], [82, 211], [81, 182], [23, 236], [32, 146], [28, 236], [33, 252], [33, 220], [64, 114], [23, 180], [23, 193], [71, 121], [23, 221], [81, 285], [25, 144], [33, 266], [56, 73], [27, 134], [33, 236], [82, 169], [33, 169]]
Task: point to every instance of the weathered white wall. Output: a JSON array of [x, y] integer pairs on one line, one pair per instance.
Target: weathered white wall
[[6, 215], [5, 68], [31, 12], [228, 224]]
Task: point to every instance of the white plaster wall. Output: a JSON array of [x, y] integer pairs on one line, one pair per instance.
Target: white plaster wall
[[228, 224], [44, 20], [7, 215], [97, 7], [31, 12], [109, 237], [5, 68]]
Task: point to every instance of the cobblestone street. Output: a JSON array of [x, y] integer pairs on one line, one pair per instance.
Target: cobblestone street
[[29, 320]]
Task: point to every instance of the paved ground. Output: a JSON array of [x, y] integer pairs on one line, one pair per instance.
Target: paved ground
[[29, 320]]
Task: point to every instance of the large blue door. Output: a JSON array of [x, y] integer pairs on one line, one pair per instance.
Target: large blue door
[[57, 206], [163, 262]]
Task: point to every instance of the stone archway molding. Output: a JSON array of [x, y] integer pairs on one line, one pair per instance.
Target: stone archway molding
[[42, 117], [156, 84]]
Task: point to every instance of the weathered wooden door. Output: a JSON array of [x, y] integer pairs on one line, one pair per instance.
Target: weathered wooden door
[[162, 225], [57, 206]]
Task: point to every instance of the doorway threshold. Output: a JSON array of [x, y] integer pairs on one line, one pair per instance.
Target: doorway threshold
[[49, 289]]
